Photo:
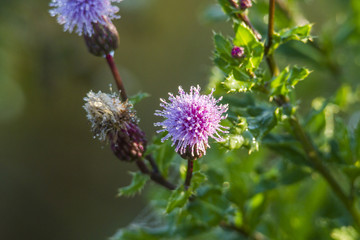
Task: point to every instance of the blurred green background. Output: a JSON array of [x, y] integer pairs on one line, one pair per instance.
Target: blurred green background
[[56, 181]]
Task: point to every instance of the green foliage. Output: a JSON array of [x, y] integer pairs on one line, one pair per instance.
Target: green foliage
[[287, 80], [178, 199], [137, 184], [288, 187], [254, 50], [299, 33]]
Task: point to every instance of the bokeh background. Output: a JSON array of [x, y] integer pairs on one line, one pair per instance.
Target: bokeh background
[[56, 181]]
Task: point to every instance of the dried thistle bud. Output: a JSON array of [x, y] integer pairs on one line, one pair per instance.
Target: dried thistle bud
[[237, 52], [115, 122], [104, 40], [245, 4]]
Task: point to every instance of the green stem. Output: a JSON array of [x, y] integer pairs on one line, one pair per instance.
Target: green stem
[[312, 154], [270, 56]]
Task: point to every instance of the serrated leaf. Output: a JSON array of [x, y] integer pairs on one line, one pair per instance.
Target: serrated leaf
[[287, 79], [299, 33], [231, 84], [178, 199], [137, 184], [222, 45], [138, 97], [254, 49]]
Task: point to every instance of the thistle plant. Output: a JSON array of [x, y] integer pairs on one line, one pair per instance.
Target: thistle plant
[[275, 171]]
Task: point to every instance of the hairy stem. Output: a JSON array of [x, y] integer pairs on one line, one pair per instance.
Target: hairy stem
[[189, 173], [116, 75], [269, 55]]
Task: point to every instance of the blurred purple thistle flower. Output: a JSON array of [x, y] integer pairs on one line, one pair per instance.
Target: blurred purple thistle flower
[[83, 13], [191, 118]]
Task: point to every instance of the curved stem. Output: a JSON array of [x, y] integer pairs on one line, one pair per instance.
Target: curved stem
[[155, 175], [117, 78]]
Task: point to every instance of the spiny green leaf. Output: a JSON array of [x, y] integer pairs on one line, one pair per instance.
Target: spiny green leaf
[[287, 79], [254, 49], [299, 33], [137, 184], [222, 45], [231, 84]]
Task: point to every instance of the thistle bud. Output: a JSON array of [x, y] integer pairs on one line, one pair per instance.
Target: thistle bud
[[115, 122], [237, 52], [129, 144], [245, 4], [104, 40], [192, 153]]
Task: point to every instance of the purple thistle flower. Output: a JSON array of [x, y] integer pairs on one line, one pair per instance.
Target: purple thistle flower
[[83, 13], [191, 118]]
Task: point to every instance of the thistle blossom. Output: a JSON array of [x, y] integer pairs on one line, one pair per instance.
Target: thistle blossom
[[83, 13], [191, 118]]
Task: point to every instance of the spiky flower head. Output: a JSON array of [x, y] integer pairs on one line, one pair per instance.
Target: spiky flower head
[[115, 122], [190, 119], [83, 13]]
